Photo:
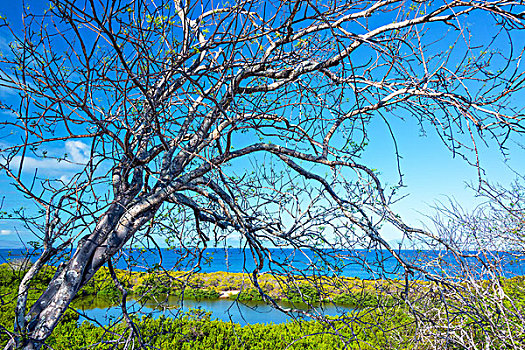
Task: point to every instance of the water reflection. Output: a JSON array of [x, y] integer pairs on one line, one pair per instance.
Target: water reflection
[[105, 312]]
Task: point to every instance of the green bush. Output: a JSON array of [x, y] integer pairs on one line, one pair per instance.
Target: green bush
[[249, 294], [303, 294]]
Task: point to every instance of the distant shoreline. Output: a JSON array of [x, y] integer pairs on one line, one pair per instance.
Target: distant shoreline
[[361, 264]]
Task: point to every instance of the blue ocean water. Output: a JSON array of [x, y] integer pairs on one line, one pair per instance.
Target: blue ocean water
[[362, 264]]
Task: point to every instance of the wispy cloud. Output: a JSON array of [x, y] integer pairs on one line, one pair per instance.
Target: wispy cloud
[[30, 164], [5, 39], [7, 91], [76, 155], [6, 232], [79, 151]]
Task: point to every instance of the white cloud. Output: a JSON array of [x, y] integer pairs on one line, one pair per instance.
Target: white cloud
[[78, 151], [77, 156], [5, 232], [65, 178], [30, 164]]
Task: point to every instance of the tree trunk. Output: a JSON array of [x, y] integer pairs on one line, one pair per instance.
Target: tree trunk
[[111, 233]]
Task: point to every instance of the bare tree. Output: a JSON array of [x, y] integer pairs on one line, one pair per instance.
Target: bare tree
[[199, 119], [479, 273]]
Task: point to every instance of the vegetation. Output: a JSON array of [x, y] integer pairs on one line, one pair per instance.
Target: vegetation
[[352, 292], [383, 323], [195, 330]]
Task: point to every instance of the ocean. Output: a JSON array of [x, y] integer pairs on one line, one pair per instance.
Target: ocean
[[364, 264]]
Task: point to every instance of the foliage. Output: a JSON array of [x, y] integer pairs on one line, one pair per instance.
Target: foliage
[[382, 324], [249, 294]]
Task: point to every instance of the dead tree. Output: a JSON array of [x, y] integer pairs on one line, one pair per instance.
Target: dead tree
[[478, 271], [245, 117]]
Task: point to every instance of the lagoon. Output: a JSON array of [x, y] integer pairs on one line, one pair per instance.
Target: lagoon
[[244, 313]]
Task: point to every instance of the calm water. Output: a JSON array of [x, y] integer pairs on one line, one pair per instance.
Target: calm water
[[222, 309]]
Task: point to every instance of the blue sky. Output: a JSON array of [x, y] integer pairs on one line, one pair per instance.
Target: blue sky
[[431, 172]]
